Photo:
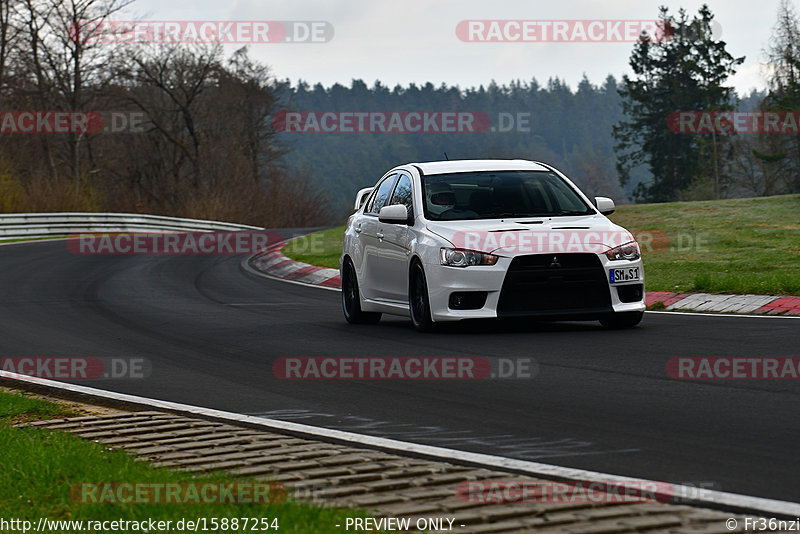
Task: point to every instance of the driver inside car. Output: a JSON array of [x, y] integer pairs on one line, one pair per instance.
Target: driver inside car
[[442, 201]]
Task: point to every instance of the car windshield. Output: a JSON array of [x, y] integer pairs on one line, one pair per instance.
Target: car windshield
[[499, 194]]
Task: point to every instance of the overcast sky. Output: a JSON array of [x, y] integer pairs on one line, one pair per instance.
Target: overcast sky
[[403, 41]]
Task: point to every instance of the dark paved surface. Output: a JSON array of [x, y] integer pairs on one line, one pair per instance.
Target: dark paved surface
[[602, 399]]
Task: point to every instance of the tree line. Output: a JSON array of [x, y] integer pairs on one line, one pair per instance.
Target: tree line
[[612, 139], [207, 142], [550, 123]]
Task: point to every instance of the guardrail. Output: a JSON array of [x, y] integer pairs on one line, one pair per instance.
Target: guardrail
[[33, 225]]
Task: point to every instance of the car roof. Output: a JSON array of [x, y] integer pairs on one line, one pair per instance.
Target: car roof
[[468, 165]]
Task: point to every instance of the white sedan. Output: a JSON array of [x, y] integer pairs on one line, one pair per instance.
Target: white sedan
[[453, 240]]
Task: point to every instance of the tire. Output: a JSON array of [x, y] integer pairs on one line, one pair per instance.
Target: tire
[[351, 303], [418, 301], [622, 320]]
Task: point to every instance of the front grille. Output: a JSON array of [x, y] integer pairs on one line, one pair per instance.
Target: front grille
[[543, 284]]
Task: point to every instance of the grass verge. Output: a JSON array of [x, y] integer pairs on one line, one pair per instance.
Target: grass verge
[[749, 245], [321, 248], [19, 408], [38, 468], [740, 246]]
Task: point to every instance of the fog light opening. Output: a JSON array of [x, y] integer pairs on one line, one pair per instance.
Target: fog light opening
[[467, 300]]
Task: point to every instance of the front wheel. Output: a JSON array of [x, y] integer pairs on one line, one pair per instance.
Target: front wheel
[[351, 303], [622, 320], [418, 301]]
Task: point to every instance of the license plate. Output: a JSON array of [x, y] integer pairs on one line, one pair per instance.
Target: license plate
[[623, 275]]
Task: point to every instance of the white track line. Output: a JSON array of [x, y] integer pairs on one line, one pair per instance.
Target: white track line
[[25, 242], [723, 314], [709, 498]]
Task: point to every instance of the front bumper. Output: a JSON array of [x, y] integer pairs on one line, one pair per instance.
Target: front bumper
[[529, 288]]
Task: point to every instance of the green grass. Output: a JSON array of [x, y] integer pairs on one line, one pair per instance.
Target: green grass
[[749, 245], [321, 248], [38, 468], [19, 407], [740, 246]]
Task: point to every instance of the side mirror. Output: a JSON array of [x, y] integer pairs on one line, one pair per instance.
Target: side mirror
[[361, 197], [394, 214], [604, 205]]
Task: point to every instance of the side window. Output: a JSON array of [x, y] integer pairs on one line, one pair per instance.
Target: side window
[[381, 196], [370, 201], [403, 194]]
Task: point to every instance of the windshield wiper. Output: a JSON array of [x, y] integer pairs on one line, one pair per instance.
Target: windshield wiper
[[571, 212]]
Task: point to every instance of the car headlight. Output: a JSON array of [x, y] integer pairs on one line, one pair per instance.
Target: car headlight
[[628, 251], [455, 257]]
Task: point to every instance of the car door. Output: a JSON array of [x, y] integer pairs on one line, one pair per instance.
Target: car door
[[394, 245], [370, 277]]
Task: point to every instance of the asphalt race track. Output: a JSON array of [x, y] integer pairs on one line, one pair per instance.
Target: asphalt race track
[[601, 400]]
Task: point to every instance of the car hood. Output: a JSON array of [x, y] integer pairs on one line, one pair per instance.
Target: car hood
[[586, 233]]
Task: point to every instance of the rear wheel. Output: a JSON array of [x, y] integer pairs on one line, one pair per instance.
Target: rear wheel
[[622, 320], [418, 301], [351, 303]]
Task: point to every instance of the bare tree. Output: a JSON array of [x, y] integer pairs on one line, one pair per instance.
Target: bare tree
[[167, 84], [70, 70], [760, 166], [252, 98], [784, 76], [9, 35], [207, 148]]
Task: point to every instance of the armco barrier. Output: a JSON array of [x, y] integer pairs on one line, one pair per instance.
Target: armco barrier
[[33, 225]]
